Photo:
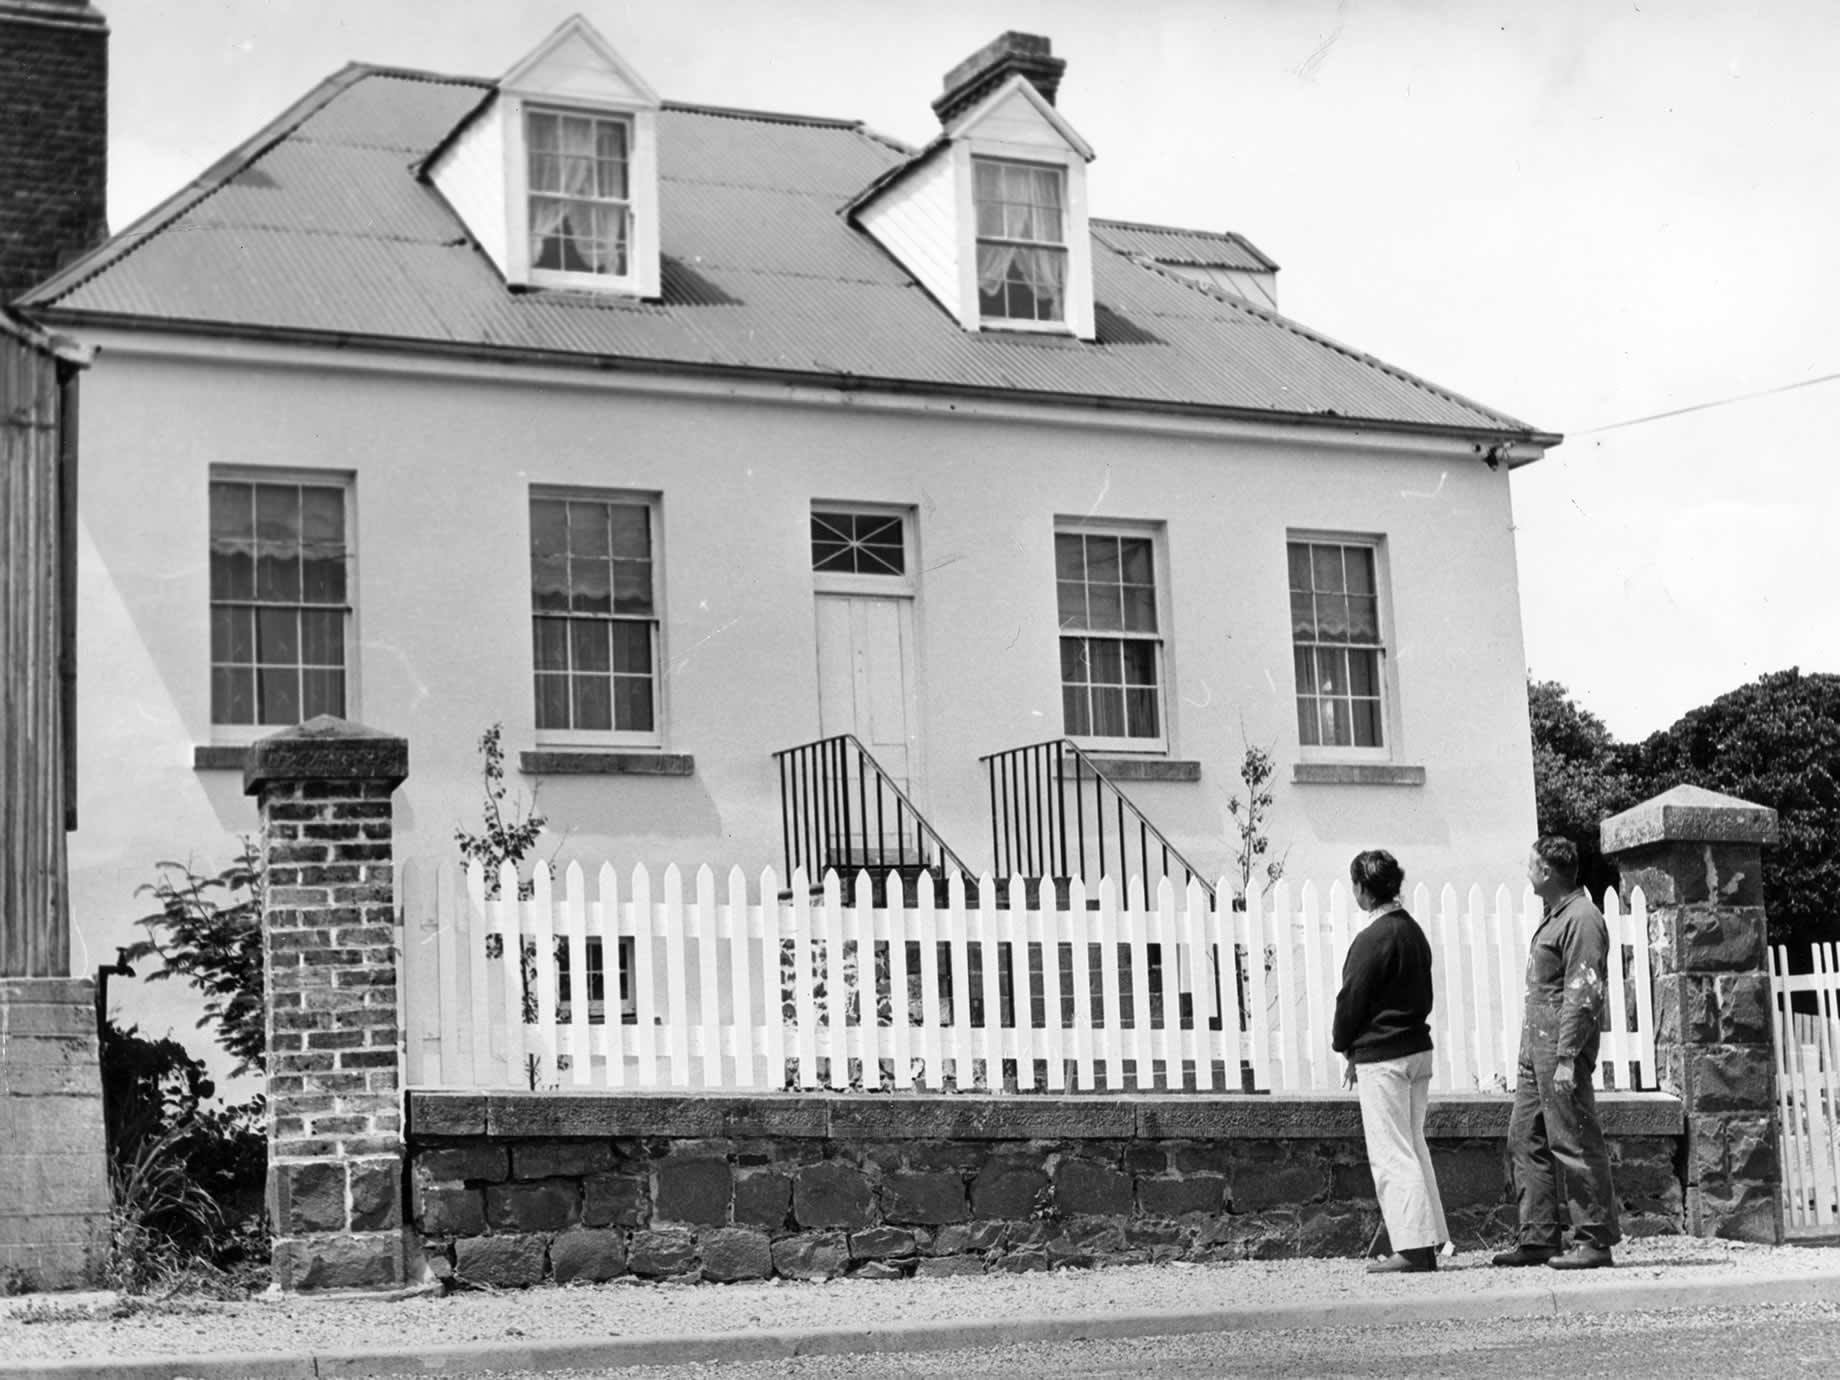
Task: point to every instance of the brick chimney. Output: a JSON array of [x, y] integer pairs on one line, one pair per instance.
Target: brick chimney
[[54, 73], [1030, 54]]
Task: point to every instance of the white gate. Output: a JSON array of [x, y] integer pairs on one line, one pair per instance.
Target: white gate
[[1807, 1048]]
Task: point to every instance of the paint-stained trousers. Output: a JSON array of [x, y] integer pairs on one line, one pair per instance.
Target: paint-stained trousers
[[1551, 1133], [1394, 1095]]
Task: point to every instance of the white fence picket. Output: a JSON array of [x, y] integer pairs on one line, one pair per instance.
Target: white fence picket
[[900, 994], [646, 1016], [1047, 925], [805, 1035], [1641, 975], [743, 1035], [772, 1001], [604, 920], [1080, 920], [1223, 979], [991, 1045], [708, 1023], [1824, 1099], [1250, 925], [415, 941], [1791, 1103], [1193, 995], [1511, 959], [958, 949], [1314, 1035], [926, 930]]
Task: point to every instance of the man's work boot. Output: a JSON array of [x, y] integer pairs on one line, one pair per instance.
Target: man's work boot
[[1527, 1255], [1416, 1260], [1582, 1258]]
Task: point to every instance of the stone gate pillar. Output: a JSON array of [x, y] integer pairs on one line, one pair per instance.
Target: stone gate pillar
[[1697, 857], [335, 1125]]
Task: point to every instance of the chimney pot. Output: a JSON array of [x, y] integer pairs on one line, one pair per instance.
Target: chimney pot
[[1032, 55]]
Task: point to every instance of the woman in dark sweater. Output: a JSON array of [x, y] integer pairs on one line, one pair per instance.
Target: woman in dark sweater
[[1382, 1026]]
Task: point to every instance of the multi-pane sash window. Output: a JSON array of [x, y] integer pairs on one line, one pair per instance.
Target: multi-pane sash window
[[594, 613], [1335, 637], [580, 193], [1021, 240], [845, 543], [1111, 650], [279, 601]]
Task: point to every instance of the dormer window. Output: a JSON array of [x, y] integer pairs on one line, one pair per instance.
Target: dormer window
[[1021, 240], [991, 217], [580, 192], [556, 176]]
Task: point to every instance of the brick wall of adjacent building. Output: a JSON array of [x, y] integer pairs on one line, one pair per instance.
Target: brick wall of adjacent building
[[53, 137], [520, 1189]]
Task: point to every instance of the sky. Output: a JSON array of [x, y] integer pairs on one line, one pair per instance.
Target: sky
[[1584, 213]]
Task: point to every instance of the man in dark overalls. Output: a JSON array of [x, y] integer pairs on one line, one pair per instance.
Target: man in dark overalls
[[1554, 1127]]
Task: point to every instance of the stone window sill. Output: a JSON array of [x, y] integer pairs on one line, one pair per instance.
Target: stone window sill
[[1140, 769], [1356, 774], [219, 756], [594, 762]]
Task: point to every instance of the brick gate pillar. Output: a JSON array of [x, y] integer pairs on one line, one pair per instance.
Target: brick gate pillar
[[335, 1126], [1697, 857]]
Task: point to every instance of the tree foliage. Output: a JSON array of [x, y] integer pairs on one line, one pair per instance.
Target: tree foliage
[[1580, 777], [510, 832], [1252, 865], [1773, 742]]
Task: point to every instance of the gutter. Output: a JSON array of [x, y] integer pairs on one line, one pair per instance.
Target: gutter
[[1491, 444]]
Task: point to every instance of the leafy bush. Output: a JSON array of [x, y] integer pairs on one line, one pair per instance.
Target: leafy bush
[[187, 1171], [186, 1176], [208, 930]]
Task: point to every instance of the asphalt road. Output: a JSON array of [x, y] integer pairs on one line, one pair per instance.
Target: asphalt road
[[1689, 1344]]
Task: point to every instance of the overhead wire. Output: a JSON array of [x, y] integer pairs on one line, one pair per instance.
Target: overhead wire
[[1706, 406]]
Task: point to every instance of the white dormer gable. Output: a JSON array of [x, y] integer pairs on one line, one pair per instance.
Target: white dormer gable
[[1016, 113], [556, 176], [992, 218]]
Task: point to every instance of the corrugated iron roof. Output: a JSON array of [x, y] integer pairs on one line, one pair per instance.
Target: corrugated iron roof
[[1167, 244], [319, 225]]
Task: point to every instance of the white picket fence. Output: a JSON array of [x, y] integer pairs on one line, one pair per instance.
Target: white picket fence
[[1807, 1047], [699, 989]]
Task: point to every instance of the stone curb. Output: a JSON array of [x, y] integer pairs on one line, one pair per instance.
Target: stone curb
[[1571, 1300]]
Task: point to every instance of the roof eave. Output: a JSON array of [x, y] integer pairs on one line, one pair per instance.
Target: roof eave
[[1511, 425], [1506, 441]]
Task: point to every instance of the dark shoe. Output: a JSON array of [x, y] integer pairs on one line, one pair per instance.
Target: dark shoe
[[1527, 1255], [1582, 1258], [1418, 1261]]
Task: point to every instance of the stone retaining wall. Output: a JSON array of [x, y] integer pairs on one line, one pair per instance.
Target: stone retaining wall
[[54, 1178], [517, 1189]]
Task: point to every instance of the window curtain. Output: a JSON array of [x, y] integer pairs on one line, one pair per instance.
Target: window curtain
[[1015, 202], [565, 158]]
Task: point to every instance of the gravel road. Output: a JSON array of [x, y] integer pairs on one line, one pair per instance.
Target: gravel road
[[60, 1327]]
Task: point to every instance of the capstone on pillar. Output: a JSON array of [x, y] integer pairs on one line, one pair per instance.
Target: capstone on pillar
[[335, 1116], [1697, 857]]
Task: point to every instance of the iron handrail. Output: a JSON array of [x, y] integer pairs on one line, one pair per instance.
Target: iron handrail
[[816, 814], [1029, 818]]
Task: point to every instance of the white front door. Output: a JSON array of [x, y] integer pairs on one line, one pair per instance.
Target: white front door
[[866, 677]]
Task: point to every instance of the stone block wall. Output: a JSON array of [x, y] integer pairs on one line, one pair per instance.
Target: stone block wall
[[54, 1183], [1697, 858], [522, 1189]]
